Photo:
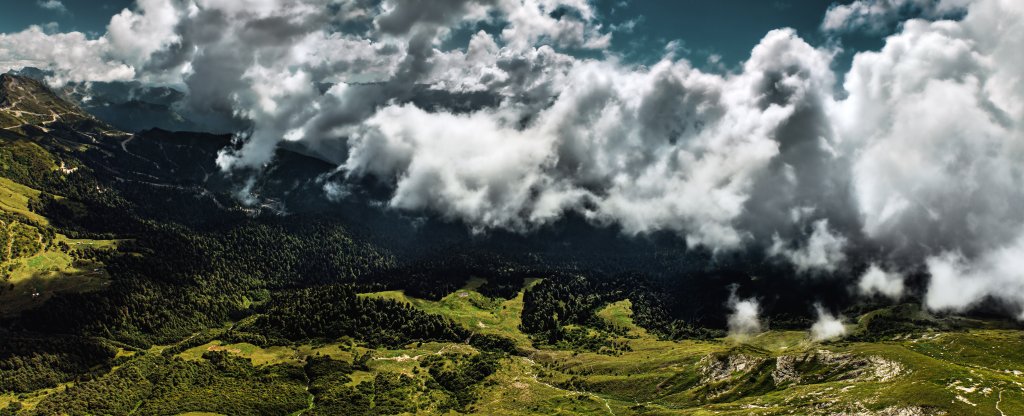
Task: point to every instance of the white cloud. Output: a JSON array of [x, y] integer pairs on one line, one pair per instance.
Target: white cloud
[[135, 35], [957, 283], [54, 5], [943, 182], [530, 22], [119, 55], [668, 147], [744, 321], [876, 281], [443, 162], [822, 251], [71, 56], [878, 16], [827, 326]]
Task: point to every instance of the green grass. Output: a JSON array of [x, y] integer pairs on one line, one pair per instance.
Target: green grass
[[83, 243], [959, 373], [473, 310], [32, 280], [952, 372], [14, 198], [9, 120], [665, 377], [620, 315], [38, 278], [41, 271], [293, 355], [30, 400], [780, 341]]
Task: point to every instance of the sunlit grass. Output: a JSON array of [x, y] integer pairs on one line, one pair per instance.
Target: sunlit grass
[[967, 372]]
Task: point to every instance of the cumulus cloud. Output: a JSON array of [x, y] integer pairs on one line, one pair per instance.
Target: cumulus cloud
[[943, 182], [119, 55], [745, 320], [876, 281], [442, 162], [827, 326], [920, 158], [533, 21], [668, 147], [71, 56], [134, 36], [401, 56], [879, 16]]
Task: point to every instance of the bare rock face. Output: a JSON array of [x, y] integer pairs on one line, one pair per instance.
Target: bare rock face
[[733, 375], [860, 410], [904, 411], [716, 367], [870, 368], [885, 370], [786, 371]]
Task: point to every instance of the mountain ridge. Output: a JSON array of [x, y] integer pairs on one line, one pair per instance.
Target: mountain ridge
[[21, 96], [139, 281]]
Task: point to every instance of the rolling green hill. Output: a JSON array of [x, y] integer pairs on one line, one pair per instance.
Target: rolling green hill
[[132, 282], [965, 372]]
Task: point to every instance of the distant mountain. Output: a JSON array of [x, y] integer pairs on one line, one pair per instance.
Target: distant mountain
[[132, 107], [26, 101], [136, 277], [31, 112], [157, 161], [293, 184]]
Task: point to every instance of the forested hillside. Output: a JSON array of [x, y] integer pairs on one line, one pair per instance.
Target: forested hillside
[[136, 281]]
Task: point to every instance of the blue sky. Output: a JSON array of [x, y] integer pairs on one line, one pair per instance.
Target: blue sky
[[88, 16], [728, 28], [725, 28]]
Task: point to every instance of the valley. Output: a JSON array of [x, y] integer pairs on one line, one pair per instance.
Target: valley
[[774, 373], [136, 282]]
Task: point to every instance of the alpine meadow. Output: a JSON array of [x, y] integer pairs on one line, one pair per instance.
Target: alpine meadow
[[511, 207]]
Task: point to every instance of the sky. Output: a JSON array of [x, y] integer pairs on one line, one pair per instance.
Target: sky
[[877, 135], [87, 16], [724, 29]]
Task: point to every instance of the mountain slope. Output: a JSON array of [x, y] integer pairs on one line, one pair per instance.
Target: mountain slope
[[137, 280]]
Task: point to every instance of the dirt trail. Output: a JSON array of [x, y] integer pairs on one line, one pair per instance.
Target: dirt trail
[[578, 392], [1000, 401], [20, 114], [406, 357], [124, 145]]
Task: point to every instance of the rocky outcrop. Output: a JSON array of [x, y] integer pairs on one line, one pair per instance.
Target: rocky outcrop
[[732, 375]]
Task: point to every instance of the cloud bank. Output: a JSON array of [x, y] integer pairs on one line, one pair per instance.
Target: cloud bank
[[917, 155]]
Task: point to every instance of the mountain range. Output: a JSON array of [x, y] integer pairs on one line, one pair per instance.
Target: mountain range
[[140, 278]]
